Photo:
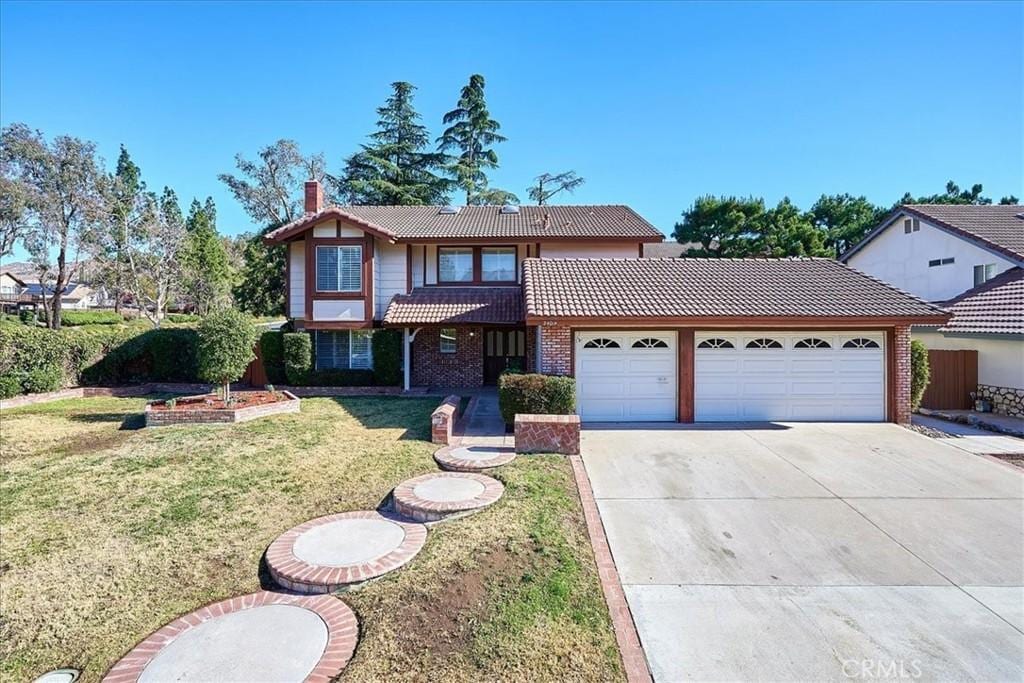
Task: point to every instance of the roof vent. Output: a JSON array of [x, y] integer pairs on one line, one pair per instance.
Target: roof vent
[[510, 208], [448, 210]]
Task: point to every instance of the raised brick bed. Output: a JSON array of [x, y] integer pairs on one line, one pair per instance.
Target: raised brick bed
[[548, 434], [205, 415], [442, 420]]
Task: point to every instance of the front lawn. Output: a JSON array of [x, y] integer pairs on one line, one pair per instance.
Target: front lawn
[[108, 531]]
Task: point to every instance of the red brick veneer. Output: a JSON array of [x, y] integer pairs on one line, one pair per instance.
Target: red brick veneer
[[442, 420], [901, 349], [342, 633], [162, 418], [407, 503], [464, 368], [555, 349], [298, 575], [548, 434]]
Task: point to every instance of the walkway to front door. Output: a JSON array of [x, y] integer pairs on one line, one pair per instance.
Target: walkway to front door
[[482, 424]]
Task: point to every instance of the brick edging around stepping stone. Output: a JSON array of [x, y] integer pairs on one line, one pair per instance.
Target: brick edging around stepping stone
[[633, 659], [446, 459], [342, 633], [298, 575], [410, 505]]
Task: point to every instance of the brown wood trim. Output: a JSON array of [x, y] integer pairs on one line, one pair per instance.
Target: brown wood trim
[[740, 322], [408, 268], [536, 251], [640, 248], [477, 266], [310, 278], [522, 240], [367, 276], [685, 388], [424, 265], [287, 279], [309, 222], [337, 228], [890, 375]]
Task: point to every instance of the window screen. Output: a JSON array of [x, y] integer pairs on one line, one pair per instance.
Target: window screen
[[339, 269]]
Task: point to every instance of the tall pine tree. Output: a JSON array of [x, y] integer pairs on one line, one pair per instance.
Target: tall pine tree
[[206, 281], [125, 187], [471, 133], [395, 168]]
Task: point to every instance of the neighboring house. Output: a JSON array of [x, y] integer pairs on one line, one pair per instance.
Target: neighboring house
[[15, 292], [669, 249], [564, 290], [12, 292], [968, 259]]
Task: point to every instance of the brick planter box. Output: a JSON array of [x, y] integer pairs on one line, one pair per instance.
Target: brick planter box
[[548, 434], [203, 415]]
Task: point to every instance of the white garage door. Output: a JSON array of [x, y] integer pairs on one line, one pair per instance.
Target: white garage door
[[789, 376], [624, 376]]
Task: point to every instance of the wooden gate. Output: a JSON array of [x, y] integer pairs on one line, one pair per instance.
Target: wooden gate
[[954, 375], [255, 375]]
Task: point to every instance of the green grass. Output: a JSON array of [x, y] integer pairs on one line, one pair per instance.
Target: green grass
[[110, 530]]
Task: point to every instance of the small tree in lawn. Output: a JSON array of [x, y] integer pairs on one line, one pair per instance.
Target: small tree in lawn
[[226, 341]]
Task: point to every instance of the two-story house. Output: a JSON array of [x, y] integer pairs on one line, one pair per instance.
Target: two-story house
[[970, 260], [565, 290]]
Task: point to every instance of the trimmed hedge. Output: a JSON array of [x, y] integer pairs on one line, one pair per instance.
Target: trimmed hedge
[[35, 357], [535, 394], [340, 378], [920, 373], [272, 352], [73, 318], [298, 357], [387, 357]]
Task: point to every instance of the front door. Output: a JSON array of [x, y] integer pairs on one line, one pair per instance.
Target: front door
[[503, 350]]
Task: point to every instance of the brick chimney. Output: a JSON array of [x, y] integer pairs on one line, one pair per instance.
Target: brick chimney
[[314, 196]]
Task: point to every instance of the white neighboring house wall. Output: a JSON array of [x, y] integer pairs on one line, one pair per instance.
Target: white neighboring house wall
[[1000, 361], [8, 285], [901, 259]]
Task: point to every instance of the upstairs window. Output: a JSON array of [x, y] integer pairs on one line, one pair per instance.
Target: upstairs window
[[455, 264], [984, 273], [911, 225], [339, 268], [941, 262], [498, 264]]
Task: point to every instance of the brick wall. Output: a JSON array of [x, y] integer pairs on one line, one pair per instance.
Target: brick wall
[[464, 368], [901, 347], [556, 349], [548, 434], [442, 420]]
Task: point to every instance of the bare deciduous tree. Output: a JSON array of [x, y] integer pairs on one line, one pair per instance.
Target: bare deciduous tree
[[154, 254], [63, 201]]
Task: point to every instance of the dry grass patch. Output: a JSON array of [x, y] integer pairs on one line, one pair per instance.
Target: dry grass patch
[[109, 531]]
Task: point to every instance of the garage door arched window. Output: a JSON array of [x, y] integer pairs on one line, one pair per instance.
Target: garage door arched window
[[764, 343], [602, 343], [860, 343], [715, 343], [812, 343], [650, 343]]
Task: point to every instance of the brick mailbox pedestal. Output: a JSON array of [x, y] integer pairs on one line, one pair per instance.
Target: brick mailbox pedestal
[[442, 420], [548, 434]]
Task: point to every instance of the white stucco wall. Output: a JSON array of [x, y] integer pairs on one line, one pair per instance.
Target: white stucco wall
[[1000, 361], [297, 284], [902, 260], [389, 274], [589, 250], [338, 310]]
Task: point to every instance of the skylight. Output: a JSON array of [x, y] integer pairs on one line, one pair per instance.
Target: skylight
[[448, 210], [510, 208]]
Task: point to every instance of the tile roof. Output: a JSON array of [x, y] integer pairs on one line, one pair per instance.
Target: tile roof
[[531, 222], [712, 288], [668, 249], [998, 226], [456, 305], [993, 307]]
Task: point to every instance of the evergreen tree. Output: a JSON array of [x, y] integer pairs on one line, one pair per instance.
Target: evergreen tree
[[125, 189], [845, 219], [550, 184], [260, 286], [395, 168], [207, 274], [787, 231], [723, 226], [471, 133], [952, 195]]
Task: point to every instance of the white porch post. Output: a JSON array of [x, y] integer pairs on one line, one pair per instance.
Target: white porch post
[[406, 358]]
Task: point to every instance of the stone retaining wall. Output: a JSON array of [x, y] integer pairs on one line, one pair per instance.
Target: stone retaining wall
[[548, 434], [161, 418], [1005, 400], [442, 420]]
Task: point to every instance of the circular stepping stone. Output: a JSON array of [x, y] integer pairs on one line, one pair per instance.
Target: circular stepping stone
[[257, 637], [441, 495], [328, 553], [59, 676], [473, 458]]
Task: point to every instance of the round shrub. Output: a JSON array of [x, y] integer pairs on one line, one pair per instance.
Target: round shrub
[[45, 378], [920, 373], [535, 394], [11, 384], [272, 352], [387, 357], [225, 349], [298, 357]]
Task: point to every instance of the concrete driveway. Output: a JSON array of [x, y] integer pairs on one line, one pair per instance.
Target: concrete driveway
[[813, 552]]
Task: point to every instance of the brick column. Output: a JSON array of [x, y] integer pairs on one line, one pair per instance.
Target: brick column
[[555, 349], [901, 371]]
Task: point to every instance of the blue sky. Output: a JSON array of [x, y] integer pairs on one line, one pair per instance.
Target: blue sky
[[654, 104]]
